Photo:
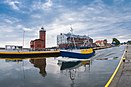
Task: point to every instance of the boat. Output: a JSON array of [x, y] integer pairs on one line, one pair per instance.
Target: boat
[[83, 54], [77, 53]]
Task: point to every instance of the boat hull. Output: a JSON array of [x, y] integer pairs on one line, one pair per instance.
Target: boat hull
[[76, 55]]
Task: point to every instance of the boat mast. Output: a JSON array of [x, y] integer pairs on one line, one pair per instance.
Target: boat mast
[[89, 43], [73, 37]]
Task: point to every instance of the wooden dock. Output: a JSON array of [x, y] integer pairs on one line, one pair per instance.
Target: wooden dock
[[29, 54]]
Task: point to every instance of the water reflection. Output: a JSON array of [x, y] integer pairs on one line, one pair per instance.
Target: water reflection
[[37, 62], [13, 60], [28, 72], [72, 64], [41, 64], [71, 68]]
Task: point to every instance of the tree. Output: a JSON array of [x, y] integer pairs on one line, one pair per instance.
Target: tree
[[115, 42], [128, 42]]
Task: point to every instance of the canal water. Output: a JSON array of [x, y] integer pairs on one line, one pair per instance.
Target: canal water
[[54, 72]]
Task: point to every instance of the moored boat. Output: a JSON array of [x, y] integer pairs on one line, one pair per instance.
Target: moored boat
[[83, 54]]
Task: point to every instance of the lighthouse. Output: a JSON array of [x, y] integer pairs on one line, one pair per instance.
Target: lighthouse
[[42, 36], [39, 44]]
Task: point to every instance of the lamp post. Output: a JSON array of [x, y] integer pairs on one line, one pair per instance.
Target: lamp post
[[23, 38]]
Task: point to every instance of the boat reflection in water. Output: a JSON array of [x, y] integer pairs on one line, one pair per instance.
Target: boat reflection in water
[[71, 68], [41, 64]]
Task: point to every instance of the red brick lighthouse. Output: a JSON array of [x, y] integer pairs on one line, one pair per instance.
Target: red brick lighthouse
[[39, 44], [42, 36]]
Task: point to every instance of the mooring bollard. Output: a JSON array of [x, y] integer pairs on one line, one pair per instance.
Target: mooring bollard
[[124, 59]]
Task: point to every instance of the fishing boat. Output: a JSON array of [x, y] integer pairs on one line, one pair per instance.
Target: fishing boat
[[77, 53]]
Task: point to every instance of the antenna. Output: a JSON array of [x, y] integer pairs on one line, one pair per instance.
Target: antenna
[[72, 36], [71, 29]]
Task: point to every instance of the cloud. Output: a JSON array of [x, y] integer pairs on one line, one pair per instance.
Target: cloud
[[36, 16], [48, 4], [42, 5], [14, 4], [27, 29], [97, 20], [93, 18]]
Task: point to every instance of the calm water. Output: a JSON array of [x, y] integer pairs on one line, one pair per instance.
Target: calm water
[[51, 72]]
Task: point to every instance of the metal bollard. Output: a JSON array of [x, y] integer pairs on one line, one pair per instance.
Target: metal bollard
[[123, 59]]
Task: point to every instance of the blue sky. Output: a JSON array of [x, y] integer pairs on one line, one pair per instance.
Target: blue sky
[[100, 19]]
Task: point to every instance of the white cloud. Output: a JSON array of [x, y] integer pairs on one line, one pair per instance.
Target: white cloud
[[96, 19], [36, 5], [8, 21], [14, 4], [36, 16], [27, 29], [48, 4], [42, 5], [5, 30], [17, 43], [99, 22]]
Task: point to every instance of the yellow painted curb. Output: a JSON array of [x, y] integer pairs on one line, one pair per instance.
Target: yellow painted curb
[[35, 52], [116, 70]]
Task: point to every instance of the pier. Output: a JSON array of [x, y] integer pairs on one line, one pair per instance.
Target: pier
[[29, 54], [122, 74]]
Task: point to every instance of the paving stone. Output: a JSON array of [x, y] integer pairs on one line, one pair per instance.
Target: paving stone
[[123, 77]]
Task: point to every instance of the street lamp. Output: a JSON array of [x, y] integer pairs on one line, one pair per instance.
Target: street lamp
[[23, 38]]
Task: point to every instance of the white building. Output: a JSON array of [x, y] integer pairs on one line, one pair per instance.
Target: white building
[[69, 40], [62, 39]]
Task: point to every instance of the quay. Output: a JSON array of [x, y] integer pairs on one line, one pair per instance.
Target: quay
[[32, 54], [29, 54], [102, 47], [122, 75]]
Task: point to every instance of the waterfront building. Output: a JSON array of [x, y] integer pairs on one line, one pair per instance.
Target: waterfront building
[[101, 43], [67, 41], [13, 47], [39, 44]]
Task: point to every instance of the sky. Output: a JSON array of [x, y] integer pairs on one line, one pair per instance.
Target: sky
[[100, 19]]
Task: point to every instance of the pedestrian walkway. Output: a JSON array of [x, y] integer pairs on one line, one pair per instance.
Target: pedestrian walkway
[[123, 76]]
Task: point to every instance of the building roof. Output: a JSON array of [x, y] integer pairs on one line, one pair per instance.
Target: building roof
[[42, 29], [76, 36], [99, 41], [36, 40]]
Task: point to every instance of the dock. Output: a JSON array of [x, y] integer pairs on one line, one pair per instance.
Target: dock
[[122, 74], [29, 54], [102, 47]]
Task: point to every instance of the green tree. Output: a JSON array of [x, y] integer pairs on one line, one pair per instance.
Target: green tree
[[128, 42], [115, 41]]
